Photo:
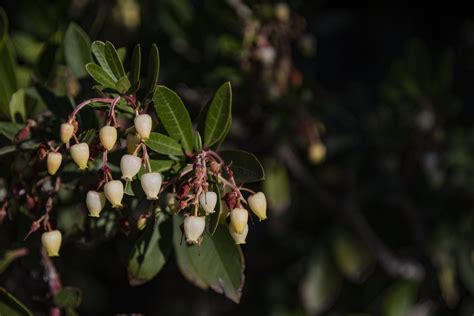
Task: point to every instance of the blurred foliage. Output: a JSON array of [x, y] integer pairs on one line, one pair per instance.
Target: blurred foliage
[[388, 98]]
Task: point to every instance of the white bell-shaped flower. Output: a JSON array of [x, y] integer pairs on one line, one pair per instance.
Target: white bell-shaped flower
[[65, 132], [113, 191], [258, 205], [238, 219], [52, 242], [95, 202], [151, 184], [80, 154], [143, 124], [208, 201], [53, 162], [130, 165], [193, 228], [108, 136], [239, 238]]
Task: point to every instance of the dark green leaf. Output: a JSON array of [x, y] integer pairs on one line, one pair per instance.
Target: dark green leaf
[[77, 49], [68, 297], [3, 26], [151, 251], [218, 263], [113, 60], [164, 145], [7, 70], [47, 61], [174, 116], [197, 141], [11, 306], [6, 150], [153, 70], [218, 115], [9, 129], [98, 49], [59, 105], [10, 255], [123, 84], [87, 136], [17, 106], [100, 75], [136, 65], [399, 299], [246, 167]]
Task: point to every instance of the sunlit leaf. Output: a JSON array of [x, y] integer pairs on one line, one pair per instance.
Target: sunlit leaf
[[163, 144], [218, 115]]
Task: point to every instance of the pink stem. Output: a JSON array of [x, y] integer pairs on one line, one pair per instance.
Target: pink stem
[[53, 278], [112, 111], [83, 104]]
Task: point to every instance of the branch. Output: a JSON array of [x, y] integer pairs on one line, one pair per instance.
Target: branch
[[53, 279], [390, 262]]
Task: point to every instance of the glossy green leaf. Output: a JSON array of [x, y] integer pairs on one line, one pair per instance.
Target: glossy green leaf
[[136, 65], [68, 297], [113, 60], [98, 49], [100, 75], [246, 167], [218, 115], [164, 145], [17, 106], [153, 70], [174, 116], [217, 264], [9, 129], [77, 49], [11, 306], [399, 299], [123, 84], [150, 251]]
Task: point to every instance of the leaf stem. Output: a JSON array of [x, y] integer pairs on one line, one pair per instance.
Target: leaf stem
[[83, 104]]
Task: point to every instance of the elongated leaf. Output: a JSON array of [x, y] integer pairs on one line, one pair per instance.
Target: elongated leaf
[[17, 106], [136, 65], [246, 167], [6, 150], [151, 251], [217, 264], [9, 129], [174, 116], [158, 166], [100, 75], [11, 306], [77, 49], [98, 49], [218, 115], [8, 82], [113, 60], [153, 70], [164, 144], [123, 84], [68, 297]]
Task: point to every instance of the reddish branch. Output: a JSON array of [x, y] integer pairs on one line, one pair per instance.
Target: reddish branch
[[54, 280]]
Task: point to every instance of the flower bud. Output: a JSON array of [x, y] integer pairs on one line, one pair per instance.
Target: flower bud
[[52, 242], [65, 132], [143, 125], [53, 162], [239, 238], [282, 12], [141, 223], [80, 154], [113, 191], [151, 184], [171, 202], [258, 205], [132, 142], [108, 137], [317, 152], [238, 219], [130, 165], [193, 228], [208, 201], [95, 202]]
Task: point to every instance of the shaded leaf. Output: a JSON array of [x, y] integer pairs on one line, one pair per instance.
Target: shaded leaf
[[7, 149], [9, 129], [218, 115], [174, 116], [98, 49], [153, 70], [113, 60], [77, 49], [150, 252], [164, 145], [399, 299], [217, 264], [136, 65], [59, 105], [246, 167], [87, 136], [11, 306], [7, 67], [100, 75], [123, 84], [17, 106], [68, 297], [197, 141], [276, 186], [158, 166]]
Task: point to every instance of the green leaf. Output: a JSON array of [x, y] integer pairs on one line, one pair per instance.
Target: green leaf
[[136, 65], [123, 84], [60, 105], [163, 144], [218, 115], [11, 306], [98, 49], [9, 129], [68, 297], [197, 141], [3, 26], [174, 116], [100, 75], [17, 107], [10, 255], [399, 299], [113, 60], [133, 188], [6, 150], [150, 251], [277, 186], [153, 70], [7, 68], [158, 166], [246, 167], [87, 136], [217, 264], [77, 49], [47, 61]]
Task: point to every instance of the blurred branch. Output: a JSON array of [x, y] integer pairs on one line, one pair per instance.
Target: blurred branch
[[390, 262], [53, 279]]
